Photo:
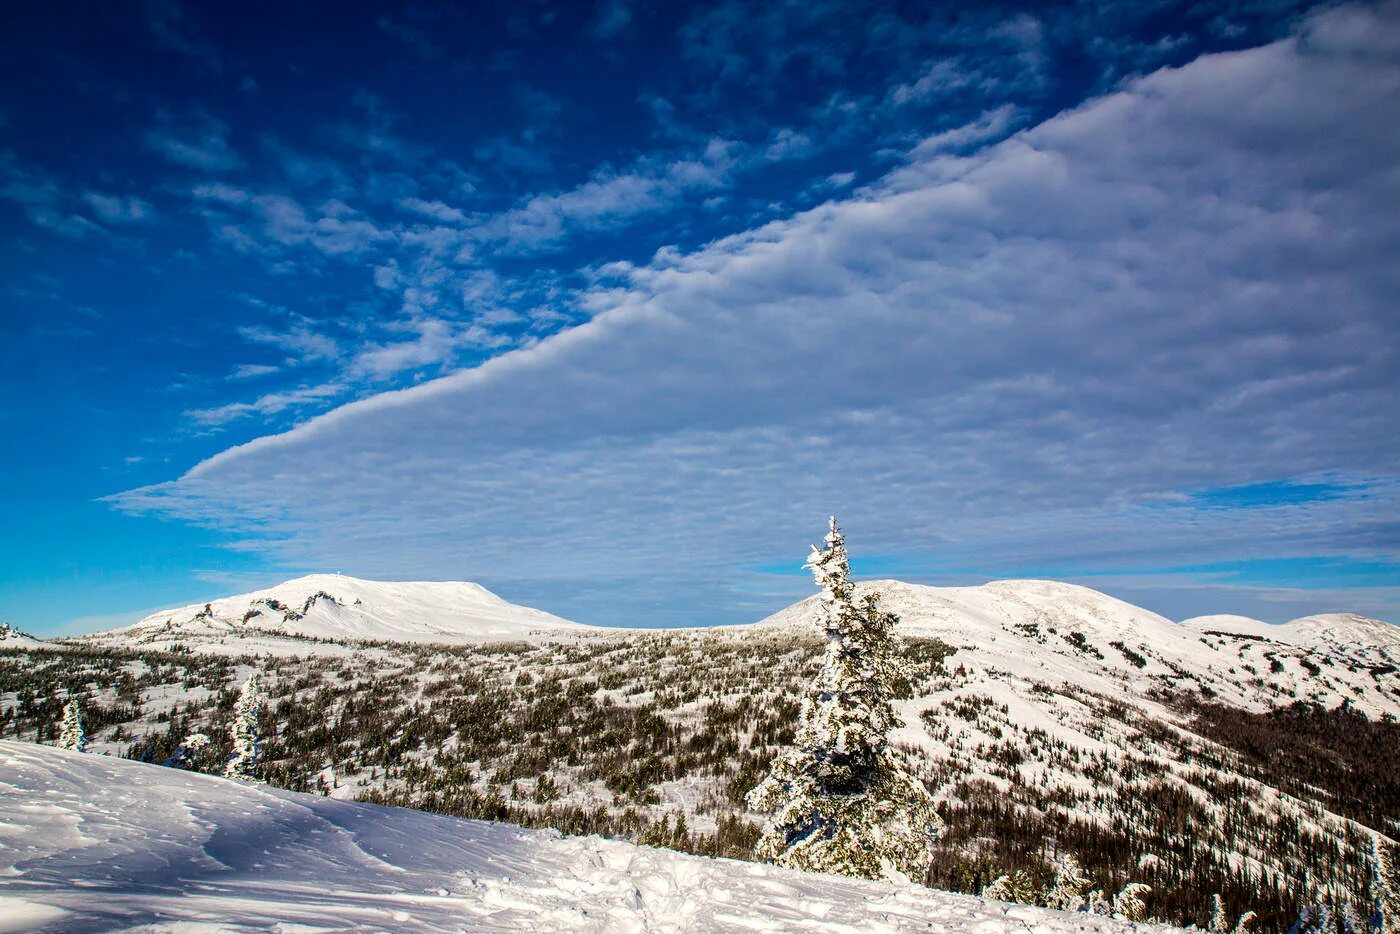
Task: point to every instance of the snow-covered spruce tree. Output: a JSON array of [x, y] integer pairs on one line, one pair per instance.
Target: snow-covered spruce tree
[[188, 751], [1066, 893], [1015, 886], [999, 889], [246, 732], [1317, 919], [1129, 905], [841, 799], [1385, 889], [1219, 923], [71, 733]]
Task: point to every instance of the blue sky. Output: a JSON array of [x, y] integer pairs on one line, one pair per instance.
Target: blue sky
[[607, 305]]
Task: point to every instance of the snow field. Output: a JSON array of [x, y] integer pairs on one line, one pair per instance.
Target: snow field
[[92, 843]]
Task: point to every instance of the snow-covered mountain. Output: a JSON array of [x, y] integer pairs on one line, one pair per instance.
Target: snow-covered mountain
[[12, 638], [336, 607], [1032, 629], [1058, 633], [1343, 634], [95, 843], [1044, 715]]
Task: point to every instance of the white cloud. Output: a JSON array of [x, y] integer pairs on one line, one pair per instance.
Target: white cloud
[[435, 342], [415, 39], [301, 342], [253, 370], [269, 404], [991, 125], [1010, 354], [118, 209], [788, 143], [43, 199], [941, 77], [167, 22], [269, 221], [611, 197], [613, 17], [202, 144], [434, 209]]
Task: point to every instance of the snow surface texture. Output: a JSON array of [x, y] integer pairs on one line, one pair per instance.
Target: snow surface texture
[[332, 606], [92, 843]]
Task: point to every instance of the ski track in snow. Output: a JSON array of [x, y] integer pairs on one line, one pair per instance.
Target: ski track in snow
[[91, 843]]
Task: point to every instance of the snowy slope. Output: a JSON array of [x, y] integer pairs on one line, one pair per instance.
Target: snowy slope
[[335, 607], [1338, 633], [12, 638], [92, 843], [1058, 633]]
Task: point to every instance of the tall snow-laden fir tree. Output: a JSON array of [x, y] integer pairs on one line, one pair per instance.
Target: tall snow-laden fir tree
[[1219, 921], [1385, 888], [841, 799], [246, 732], [71, 734]]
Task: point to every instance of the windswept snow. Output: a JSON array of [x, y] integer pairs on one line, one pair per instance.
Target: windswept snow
[[335, 607], [92, 843]]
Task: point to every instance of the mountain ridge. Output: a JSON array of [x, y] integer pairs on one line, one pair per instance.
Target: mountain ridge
[[337, 607], [1048, 630], [303, 611]]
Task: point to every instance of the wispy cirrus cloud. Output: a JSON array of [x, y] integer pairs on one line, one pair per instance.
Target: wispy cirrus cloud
[[169, 23], [263, 221], [611, 197], [118, 209], [57, 207], [253, 370], [614, 16], [415, 39], [271, 403], [302, 342], [199, 143]]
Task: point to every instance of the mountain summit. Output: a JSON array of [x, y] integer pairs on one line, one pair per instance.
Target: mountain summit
[[336, 607], [1058, 633]]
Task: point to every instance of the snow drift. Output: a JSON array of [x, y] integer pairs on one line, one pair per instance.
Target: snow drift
[[92, 843]]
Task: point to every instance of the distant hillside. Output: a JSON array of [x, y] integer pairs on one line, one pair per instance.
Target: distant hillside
[[1031, 630], [338, 608]]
